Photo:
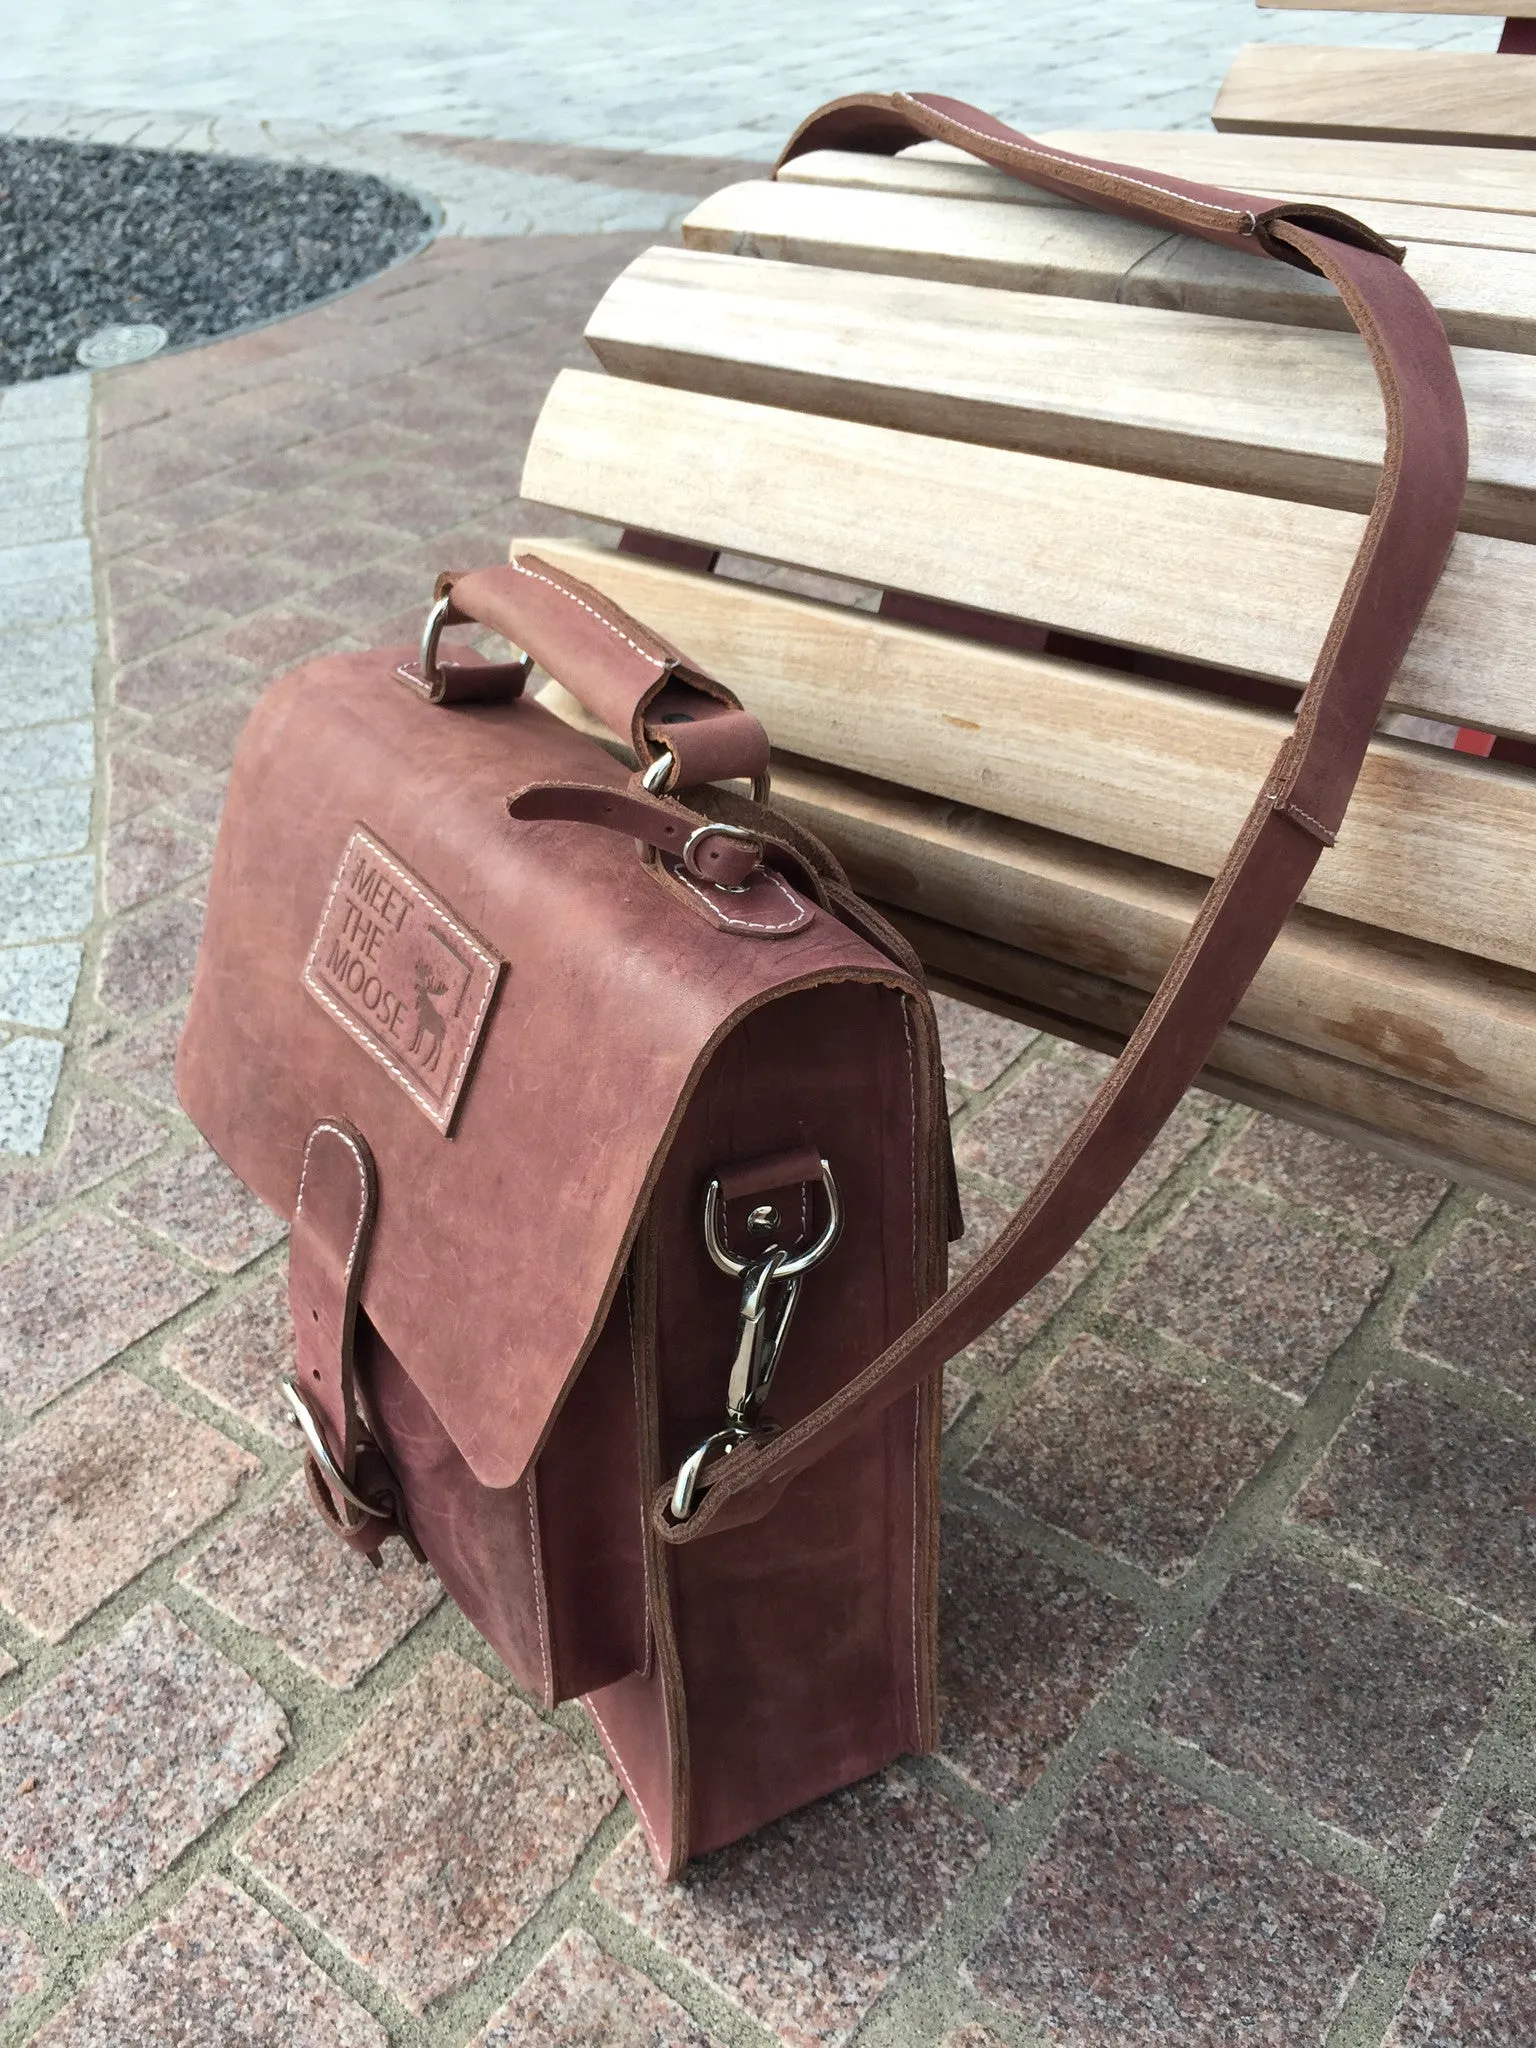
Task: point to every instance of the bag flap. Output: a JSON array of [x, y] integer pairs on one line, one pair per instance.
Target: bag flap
[[513, 1014]]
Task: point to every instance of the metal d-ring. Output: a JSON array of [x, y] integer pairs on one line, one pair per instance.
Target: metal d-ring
[[656, 778], [793, 1267], [431, 633], [319, 1450], [686, 1484]]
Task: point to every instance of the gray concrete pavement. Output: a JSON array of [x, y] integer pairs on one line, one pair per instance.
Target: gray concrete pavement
[[698, 76]]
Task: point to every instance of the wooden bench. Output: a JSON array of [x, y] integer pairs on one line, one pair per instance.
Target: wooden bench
[[1440, 96], [863, 435]]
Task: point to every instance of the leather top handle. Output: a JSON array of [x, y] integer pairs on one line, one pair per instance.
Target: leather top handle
[[647, 694], [1302, 801]]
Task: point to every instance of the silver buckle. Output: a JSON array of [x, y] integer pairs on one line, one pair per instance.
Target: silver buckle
[[431, 633], [657, 777], [319, 1450], [770, 1293]]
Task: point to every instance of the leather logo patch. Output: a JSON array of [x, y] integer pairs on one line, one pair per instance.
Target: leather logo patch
[[402, 975]]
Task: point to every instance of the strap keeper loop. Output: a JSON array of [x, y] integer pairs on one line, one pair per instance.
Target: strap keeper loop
[[1310, 825]]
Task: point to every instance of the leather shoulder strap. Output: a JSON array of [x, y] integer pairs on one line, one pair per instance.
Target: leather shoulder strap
[[1301, 805]]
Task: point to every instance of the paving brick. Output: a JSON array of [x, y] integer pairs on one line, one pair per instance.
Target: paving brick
[[205, 732], [37, 984], [1476, 1308], [376, 590], [165, 681], [1435, 1491], [130, 582], [75, 1298], [244, 583], [215, 1969], [137, 782], [197, 1203], [1151, 1916], [1358, 1710], [1132, 1459], [98, 1489], [149, 627], [275, 640], [240, 1355], [131, 1754], [147, 959], [146, 857], [202, 803], [1475, 1985], [1024, 1651], [47, 899], [957, 1396], [104, 1138], [345, 544], [23, 1968], [437, 1832], [578, 1997], [997, 1348], [805, 1923], [977, 1044], [1015, 1137], [1341, 1180], [1271, 1293], [38, 824], [280, 1573], [29, 1081], [144, 1060]]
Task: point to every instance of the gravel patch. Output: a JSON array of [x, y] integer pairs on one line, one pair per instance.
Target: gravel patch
[[94, 236]]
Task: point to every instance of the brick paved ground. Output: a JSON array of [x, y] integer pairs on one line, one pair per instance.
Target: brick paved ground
[[1239, 1565]]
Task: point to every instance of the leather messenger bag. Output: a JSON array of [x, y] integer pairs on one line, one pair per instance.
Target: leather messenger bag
[[611, 1123]]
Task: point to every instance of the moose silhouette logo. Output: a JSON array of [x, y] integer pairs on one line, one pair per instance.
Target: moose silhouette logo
[[402, 975], [430, 1023]]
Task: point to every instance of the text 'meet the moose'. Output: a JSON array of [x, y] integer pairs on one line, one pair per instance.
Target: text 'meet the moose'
[[402, 975]]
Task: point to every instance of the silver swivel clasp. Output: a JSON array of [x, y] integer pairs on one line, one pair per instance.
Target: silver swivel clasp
[[770, 1291]]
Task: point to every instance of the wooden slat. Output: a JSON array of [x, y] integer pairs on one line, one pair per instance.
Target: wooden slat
[[1410, 1015], [1114, 912], [1498, 180], [1288, 411], [1160, 773], [1243, 582], [1429, 1132], [1419, 1013], [1437, 96], [1486, 298], [954, 176]]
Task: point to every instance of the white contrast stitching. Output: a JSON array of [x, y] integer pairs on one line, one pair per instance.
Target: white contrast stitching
[[442, 1115], [645, 1562], [629, 1784], [917, 1435], [1142, 184], [535, 1558], [1290, 810], [738, 924], [917, 1413], [617, 631], [362, 1173]]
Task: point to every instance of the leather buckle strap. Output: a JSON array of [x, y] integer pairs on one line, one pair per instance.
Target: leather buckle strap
[[349, 1478]]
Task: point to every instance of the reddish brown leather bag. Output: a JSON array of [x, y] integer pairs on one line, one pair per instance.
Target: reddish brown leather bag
[[579, 1085]]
